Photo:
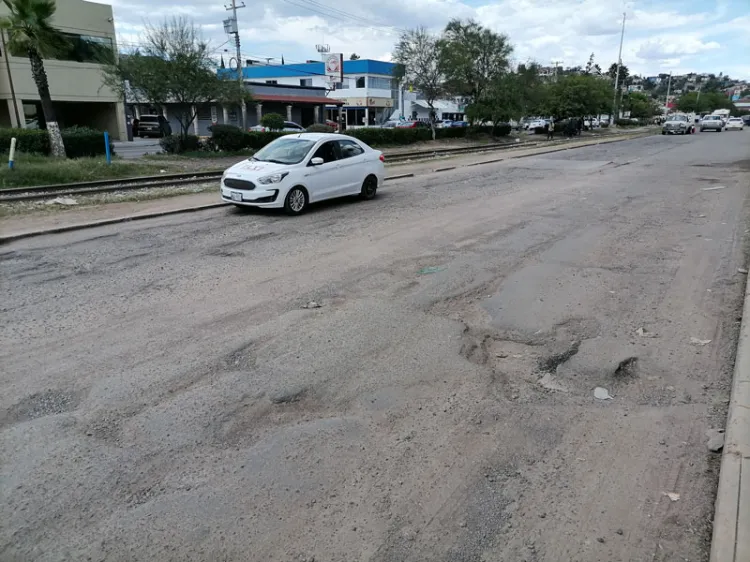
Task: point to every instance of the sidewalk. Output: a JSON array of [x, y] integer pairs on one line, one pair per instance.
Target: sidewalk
[[731, 536], [23, 226]]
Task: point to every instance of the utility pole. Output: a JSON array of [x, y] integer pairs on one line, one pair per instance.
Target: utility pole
[[617, 73], [230, 27], [669, 87], [556, 63]]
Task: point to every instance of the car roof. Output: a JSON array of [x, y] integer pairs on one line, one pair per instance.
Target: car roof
[[322, 136]]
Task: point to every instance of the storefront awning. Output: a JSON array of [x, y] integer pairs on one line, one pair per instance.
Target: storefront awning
[[317, 100]]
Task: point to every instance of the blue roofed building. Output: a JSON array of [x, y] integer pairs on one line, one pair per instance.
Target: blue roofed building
[[368, 90]]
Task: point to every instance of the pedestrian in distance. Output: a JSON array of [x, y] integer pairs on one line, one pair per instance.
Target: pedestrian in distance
[[550, 129]]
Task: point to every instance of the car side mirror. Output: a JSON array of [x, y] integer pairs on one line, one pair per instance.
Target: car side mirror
[[317, 161]]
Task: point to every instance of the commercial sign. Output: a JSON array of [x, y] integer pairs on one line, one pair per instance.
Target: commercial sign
[[335, 67]]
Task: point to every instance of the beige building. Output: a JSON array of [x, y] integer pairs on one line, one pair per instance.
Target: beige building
[[75, 79]]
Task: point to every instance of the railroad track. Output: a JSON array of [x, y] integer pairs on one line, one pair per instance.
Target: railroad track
[[18, 194]]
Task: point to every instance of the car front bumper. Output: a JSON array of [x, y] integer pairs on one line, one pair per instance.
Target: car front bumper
[[252, 198], [675, 131], [712, 127]]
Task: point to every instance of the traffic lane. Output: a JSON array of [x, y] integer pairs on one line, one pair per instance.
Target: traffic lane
[[406, 410]]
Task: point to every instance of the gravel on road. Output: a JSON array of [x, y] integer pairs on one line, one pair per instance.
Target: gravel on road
[[170, 393]]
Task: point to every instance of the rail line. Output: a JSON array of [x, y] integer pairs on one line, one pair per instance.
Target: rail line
[[19, 194]]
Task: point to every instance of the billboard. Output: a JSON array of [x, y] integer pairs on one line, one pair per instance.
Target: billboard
[[335, 67]]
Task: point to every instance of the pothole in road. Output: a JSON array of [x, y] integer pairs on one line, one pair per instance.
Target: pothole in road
[[549, 364], [40, 404]]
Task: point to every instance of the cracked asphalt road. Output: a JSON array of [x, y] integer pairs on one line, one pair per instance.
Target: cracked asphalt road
[[166, 397]]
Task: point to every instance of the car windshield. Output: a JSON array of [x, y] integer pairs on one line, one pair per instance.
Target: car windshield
[[149, 119], [735, 119], [284, 151], [712, 117], [678, 118]]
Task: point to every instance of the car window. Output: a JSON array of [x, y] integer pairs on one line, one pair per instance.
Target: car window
[[285, 151], [149, 119], [290, 125], [327, 151], [349, 148]]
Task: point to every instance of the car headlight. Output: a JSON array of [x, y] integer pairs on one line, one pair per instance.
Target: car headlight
[[273, 178]]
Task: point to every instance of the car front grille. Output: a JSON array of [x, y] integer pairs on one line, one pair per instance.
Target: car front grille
[[239, 184]]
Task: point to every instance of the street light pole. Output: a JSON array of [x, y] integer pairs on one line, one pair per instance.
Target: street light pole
[[231, 27], [669, 87], [617, 73]]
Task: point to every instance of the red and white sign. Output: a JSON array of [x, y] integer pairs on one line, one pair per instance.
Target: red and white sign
[[335, 67]]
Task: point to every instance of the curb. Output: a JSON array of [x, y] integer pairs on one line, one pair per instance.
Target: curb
[[731, 533], [106, 222]]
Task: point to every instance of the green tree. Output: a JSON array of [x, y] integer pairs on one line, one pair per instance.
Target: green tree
[[472, 57], [174, 67], [30, 31], [640, 105], [354, 56], [703, 102], [417, 58], [577, 95], [624, 73], [273, 121]]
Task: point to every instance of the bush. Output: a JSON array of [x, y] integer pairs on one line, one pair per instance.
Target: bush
[[625, 123], [228, 137], [175, 144], [319, 128], [82, 141], [540, 130], [604, 124], [79, 141], [272, 121]]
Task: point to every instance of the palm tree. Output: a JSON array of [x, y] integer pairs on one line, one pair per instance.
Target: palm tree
[[30, 30]]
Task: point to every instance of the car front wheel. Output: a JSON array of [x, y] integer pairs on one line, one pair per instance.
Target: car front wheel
[[369, 188], [296, 201]]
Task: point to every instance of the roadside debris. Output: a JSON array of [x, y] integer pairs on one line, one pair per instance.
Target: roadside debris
[[429, 270], [673, 496], [697, 341], [311, 304], [714, 188], [602, 394], [62, 201], [715, 440], [742, 270], [645, 333]]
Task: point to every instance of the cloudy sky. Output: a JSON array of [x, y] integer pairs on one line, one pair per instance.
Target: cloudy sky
[[660, 35]]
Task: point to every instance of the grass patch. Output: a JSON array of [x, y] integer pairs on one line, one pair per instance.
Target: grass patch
[[32, 169]]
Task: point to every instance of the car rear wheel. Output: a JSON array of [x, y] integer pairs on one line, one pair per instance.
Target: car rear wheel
[[296, 201], [369, 188]]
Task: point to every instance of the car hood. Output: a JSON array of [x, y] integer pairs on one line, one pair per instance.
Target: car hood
[[249, 169]]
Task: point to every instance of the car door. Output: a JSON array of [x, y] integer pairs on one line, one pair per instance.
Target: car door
[[353, 166], [325, 180]]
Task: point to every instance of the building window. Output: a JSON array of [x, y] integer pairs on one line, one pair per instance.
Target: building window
[[361, 83], [307, 82], [272, 81], [380, 83], [343, 85], [80, 48]]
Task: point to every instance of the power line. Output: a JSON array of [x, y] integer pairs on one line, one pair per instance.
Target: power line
[[336, 14]]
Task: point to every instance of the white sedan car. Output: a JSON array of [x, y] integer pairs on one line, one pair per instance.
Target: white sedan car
[[735, 123], [296, 170]]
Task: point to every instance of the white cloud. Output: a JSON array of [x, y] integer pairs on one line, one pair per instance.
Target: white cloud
[[541, 30], [663, 48]]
